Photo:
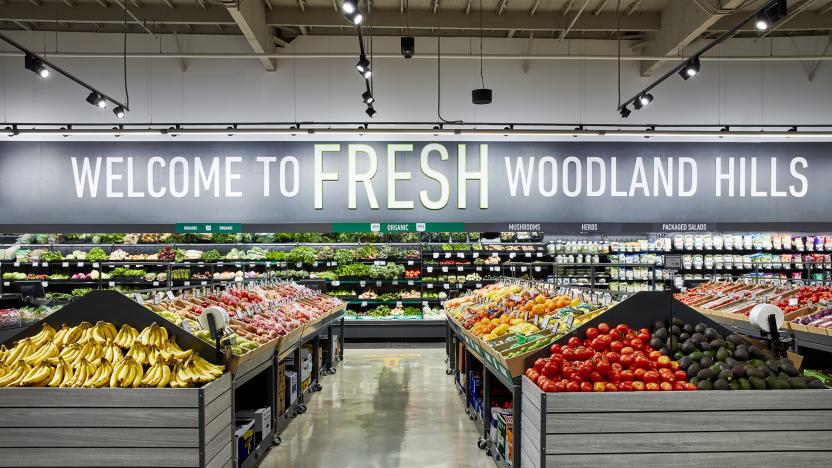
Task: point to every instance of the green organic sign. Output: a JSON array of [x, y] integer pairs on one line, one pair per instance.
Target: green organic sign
[[208, 228], [398, 227]]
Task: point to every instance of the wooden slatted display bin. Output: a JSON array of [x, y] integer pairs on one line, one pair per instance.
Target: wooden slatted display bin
[[131, 427], [669, 429], [170, 427]]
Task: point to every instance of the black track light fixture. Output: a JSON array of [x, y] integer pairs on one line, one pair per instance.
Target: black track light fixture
[[355, 17], [762, 22], [371, 111], [367, 96], [363, 65], [625, 112], [691, 68], [645, 99], [119, 112], [408, 44], [36, 66], [349, 6], [770, 15], [97, 100]]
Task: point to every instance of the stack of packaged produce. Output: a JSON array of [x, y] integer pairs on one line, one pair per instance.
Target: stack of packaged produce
[[257, 315], [513, 320], [101, 355]]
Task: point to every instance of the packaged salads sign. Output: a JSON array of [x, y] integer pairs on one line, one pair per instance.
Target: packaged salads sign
[[261, 183]]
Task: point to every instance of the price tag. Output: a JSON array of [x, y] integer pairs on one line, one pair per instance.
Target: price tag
[[546, 321], [112, 284], [478, 285], [138, 298], [569, 321], [155, 283], [448, 255], [512, 255], [460, 255], [430, 286], [45, 284], [495, 268], [34, 264], [187, 283], [197, 293], [238, 265], [157, 298], [539, 254], [186, 326], [522, 268], [395, 282], [268, 264], [793, 301], [447, 286], [475, 254], [203, 283], [478, 268], [537, 268], [528, 255], [459, 268], [430, 269], [398, 303], [424, 303], [378, 283], [251, 265], [170, 295], [436, 255], [379, 263], [410, 263], [315, 263], [17, 264], [513, 268], [95, 265], [363, 303], [6, 283], [410, 283], [362, 283], [220, 263], [444, 269], [65, 264], [556, 327], [336, 283]]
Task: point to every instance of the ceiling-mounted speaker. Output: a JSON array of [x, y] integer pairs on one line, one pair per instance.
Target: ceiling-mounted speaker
[[481, 96]]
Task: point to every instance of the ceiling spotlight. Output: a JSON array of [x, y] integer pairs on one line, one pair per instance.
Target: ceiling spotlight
[[408, 44], [481, 96], [97, 100], [36, 66], [762, 22], [349, 6], [690, 69], [355, 17], [363, 64], [625, 112], [118, 111], [367, 97], [371, 112], [637, 103], [367, 73], [645, 99]]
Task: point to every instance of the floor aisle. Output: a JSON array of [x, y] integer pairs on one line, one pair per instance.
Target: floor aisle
[[384, 408]]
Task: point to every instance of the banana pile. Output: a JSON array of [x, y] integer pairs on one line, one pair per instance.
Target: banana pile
[[95, 356]]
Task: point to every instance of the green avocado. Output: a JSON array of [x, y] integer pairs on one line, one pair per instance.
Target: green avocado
[[790, 369], [784, 383], [721, 354], [693, 369], [757, 383], [798, 383], [772, 383], [705, 385], [705, 374], [744, 384], [697, 356], [754, 372], [721, 384]]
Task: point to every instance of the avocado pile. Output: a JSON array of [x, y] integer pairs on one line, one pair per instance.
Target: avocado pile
[[730, 363]]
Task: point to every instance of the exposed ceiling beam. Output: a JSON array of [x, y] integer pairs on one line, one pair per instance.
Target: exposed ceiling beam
[[825, 9], [501, 6], [435, 6], [682, 23], [169, 4], [280, 41], [89, 13], [136, 3], [103, 3], [817, 63], [567, 7], [511, 33], [302, 5], [600, 8], [23, 25], [527, 62], [251, 19], [468, 7], [519, 20], [574, 19], [401, 6], [70, 3], [793, 11], [183, 65], [632, 8], [35, 2], [534, 7], [203, 4], [807, 21]]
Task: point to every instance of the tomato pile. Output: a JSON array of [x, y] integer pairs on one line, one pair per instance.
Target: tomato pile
[[804, 296], [608, 360]]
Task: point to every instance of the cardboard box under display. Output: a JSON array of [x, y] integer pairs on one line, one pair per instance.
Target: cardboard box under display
[[674, 429], [171, 427]]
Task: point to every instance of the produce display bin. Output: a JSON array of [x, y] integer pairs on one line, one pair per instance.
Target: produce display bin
[[692, 429], [136, 427]]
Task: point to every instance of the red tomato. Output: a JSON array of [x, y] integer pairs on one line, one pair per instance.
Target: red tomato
[[584, 370], [664, 362], [533, 375], [587, 342], [680, 375], [586, 387], [651, 376], [627, 350], [654, 355], [638, 386], [591, 333], [599, 387], [679, 386], [573, 387], [560, 386], [674, 366], [540, 380], [616, 346], [603, 367], [614, 377], [627, 376], [557, 359], [595, 377], [550, 370], [568, 355], [598, 345], [539, 363], [617, 367], [603, 328], [642, 362], [573, 342], [622, 328], [666, 386], [644, 335], [636, 343], [549, 387], [652, 387], [625, 387], [667, 377], [555, 349], [627, 360], [691, 387], [639, 374], [610, 387]]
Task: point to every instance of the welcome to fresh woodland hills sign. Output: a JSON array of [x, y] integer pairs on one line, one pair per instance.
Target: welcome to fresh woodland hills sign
[[269, 183]]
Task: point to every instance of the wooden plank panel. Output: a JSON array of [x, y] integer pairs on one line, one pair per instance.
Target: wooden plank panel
[[529, 459], [216, 444], [101, 397], [222, 458], [686, 401], [99, 417], [530, 414], [690, 460], [533, 445], [217, 406], [220, 423], [688, 421], [76, 456], [663, 442], [532, 391], [19, 437], [216, 388], [229, 464]]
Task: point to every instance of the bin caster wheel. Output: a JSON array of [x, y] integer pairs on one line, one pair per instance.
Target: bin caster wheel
[[324, 372], [448, 372], [481, 444], [332, 371], [301, 409], [468, 411], [277, 441], [471, 416], [318, 388], [488, 452]]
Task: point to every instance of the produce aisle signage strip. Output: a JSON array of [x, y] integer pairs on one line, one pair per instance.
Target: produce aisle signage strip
[[208, 228], [301, 184], [398, 227]]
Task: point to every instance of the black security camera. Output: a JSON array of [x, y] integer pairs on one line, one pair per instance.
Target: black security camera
[[408, 46]]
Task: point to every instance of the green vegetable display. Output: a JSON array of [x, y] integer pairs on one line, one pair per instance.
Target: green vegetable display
[[388, 271], [344, 256], [276, 256], [367, 252], [302, 254], [125, 272], [327, 275], [352, 270], [51, 256], [212, 255], [96, 254]]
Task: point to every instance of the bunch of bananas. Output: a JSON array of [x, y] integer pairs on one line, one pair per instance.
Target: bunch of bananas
[[96, 356]]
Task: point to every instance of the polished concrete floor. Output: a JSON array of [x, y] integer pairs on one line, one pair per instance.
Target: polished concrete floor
[[384, 408]]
